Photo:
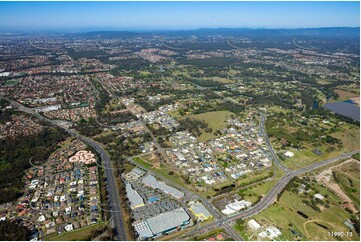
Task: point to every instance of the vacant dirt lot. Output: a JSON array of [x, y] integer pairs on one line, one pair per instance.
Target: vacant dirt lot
[[325, 177]]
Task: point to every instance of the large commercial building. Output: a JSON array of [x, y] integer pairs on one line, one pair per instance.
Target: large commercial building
[[134, 198], [134, 174], [235, 207], [253, 225], [162, 224], [154, 183], [200, 211]]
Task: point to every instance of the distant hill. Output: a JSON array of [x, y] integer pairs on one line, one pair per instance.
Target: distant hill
[[336, 32]]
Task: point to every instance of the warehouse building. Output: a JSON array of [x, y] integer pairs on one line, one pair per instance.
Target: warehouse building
[[254, 225], [151, 181], [134, 174], [236, 206], [200, 211], [162, 224], [135, 199]]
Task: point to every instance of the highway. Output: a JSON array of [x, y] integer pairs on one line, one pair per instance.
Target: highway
[[231, 45], [220, 220], [114, 200], [270, 197]]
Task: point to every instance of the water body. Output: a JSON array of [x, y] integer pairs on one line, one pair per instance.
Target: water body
[[346, 108]]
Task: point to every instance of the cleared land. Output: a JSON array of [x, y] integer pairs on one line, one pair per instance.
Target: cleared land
[[344, 95], [284, 215], [348, 177], [350, 138], [215, 120], [325, 178]]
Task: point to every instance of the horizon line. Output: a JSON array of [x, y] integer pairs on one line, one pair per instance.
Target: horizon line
[[145, 29]]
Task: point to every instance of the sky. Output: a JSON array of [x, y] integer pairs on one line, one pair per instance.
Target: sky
[[176, 15]]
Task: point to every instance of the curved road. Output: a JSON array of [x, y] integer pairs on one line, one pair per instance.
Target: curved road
[[224, 222], [274, 156], [270, 197]]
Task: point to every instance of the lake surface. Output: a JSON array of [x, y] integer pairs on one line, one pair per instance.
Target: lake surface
[[346, 108]]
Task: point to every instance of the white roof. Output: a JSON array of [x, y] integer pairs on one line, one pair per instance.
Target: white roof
[[138, 171], [41, 218], [235, 207], [199, 208], [69, 227], [133, 196], [319, 196], [153, 182], [168, 220], [289, 154], [253, 224], [273, 232], [143, 230]]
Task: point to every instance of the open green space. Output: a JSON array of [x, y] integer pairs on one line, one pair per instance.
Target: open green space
[[306, 136], [215, 120], [349, 136], [253, 192], [222, 80], [284, 215], [306, 157], [11, 82], [79, 234], [345, 94], [66, 143], [114, 105], [164, 171], [348, 177]]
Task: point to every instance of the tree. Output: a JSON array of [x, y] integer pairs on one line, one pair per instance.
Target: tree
[[13, 231]]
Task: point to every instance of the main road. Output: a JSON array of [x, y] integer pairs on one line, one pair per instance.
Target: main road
[[268, 199], [270, 147], [114, 200]]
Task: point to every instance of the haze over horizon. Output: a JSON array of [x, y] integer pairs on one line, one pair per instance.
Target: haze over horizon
[[87, 16]]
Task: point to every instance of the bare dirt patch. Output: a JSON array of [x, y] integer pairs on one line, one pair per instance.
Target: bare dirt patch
[[343, 95], [325, 178]]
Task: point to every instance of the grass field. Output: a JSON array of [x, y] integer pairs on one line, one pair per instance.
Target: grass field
[[104, 133], [253, 177], [283, 214], [252, 193], [163, 171], [355, 88], [128, 167], [344, 95], [145, 73], [350, 137], [277, 109], [348, 177], [301, 158], [215, 120], [66, 142], [219, 79], [79, 234], [306, 157], [11, 82]]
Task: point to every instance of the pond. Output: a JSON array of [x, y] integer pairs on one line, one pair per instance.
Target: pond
[[346, 108]]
